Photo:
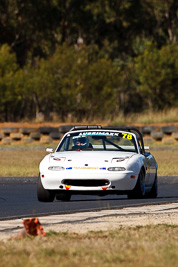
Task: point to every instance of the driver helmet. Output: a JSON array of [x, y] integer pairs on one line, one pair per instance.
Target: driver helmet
[[81, 141]]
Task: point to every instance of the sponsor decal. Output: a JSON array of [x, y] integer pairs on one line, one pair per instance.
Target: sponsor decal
[[69, 168], [98, 134], [103, 168], [124, 135], [127, 136]]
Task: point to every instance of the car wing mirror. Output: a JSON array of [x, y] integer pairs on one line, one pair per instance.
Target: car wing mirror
[[147, 148], [49, 150]]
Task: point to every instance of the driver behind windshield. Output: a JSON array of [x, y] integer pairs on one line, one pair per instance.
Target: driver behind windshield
[[80, 142]]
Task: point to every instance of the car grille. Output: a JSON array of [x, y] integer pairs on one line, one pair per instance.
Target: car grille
[[87, 183]]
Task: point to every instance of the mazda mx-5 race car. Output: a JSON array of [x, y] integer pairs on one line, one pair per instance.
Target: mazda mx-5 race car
[[100, 161]]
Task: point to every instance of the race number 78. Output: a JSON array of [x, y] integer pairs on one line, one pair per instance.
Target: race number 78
[[128, 136]]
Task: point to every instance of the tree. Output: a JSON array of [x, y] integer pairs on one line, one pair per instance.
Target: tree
[[8, 98], [28, 27], [158, 76], [165, 15]]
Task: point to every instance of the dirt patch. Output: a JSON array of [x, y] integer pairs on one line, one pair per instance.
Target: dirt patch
[[113, 219], [99, 220]]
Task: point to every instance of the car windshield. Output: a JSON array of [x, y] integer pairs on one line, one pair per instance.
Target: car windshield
[[97, 141]]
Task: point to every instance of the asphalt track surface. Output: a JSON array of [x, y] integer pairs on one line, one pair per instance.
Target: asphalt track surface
[[18, 199]]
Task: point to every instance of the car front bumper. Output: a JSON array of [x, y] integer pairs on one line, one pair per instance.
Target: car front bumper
[[117, 181]]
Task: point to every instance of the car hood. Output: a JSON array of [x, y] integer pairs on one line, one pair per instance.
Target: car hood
[[88, 157]]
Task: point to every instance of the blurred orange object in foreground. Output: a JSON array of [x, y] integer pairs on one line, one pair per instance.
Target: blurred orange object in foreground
[[33, 227]]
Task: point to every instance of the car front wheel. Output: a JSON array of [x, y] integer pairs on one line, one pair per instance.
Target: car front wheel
[[139, 190], [154, 190], [43, 194]]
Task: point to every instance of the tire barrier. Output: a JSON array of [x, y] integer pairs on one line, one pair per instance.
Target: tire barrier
[[47, 130], [65, 128], [147, 129], [168, 129], [27, 131], [158, 136], [166, 134], [46, 135]]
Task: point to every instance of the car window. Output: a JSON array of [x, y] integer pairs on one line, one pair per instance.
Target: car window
[[95, 140]]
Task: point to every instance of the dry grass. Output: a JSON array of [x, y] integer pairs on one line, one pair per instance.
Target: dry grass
[[148, 117], [26, 162], [20, 163], [167, 162], [139, 246]]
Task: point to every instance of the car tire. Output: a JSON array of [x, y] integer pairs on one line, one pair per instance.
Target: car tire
[[63, 196], [44, 195], [139, 190], [154, 190]]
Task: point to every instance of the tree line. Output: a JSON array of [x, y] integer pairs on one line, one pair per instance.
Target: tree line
[[87, 59]]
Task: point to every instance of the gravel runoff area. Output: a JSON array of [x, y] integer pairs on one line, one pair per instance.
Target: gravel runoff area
[[98, 220]]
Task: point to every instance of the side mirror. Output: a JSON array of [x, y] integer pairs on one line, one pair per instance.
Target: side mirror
[[147, 148], [49, 150]]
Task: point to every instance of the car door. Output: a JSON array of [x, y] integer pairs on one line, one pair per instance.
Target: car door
[[151, 168]]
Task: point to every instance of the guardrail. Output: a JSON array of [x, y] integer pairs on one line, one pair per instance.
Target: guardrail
[[46, 135]]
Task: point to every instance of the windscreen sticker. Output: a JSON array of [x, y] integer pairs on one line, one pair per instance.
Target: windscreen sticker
[[98, 134], [127, 136]]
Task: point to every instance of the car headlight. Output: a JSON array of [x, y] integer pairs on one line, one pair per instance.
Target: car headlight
[[116, 169], [56, 168]]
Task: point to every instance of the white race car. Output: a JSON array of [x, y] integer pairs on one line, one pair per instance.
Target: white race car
[[99, 161]]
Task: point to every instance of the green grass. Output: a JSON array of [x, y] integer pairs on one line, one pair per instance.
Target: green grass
[[138, 246]]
